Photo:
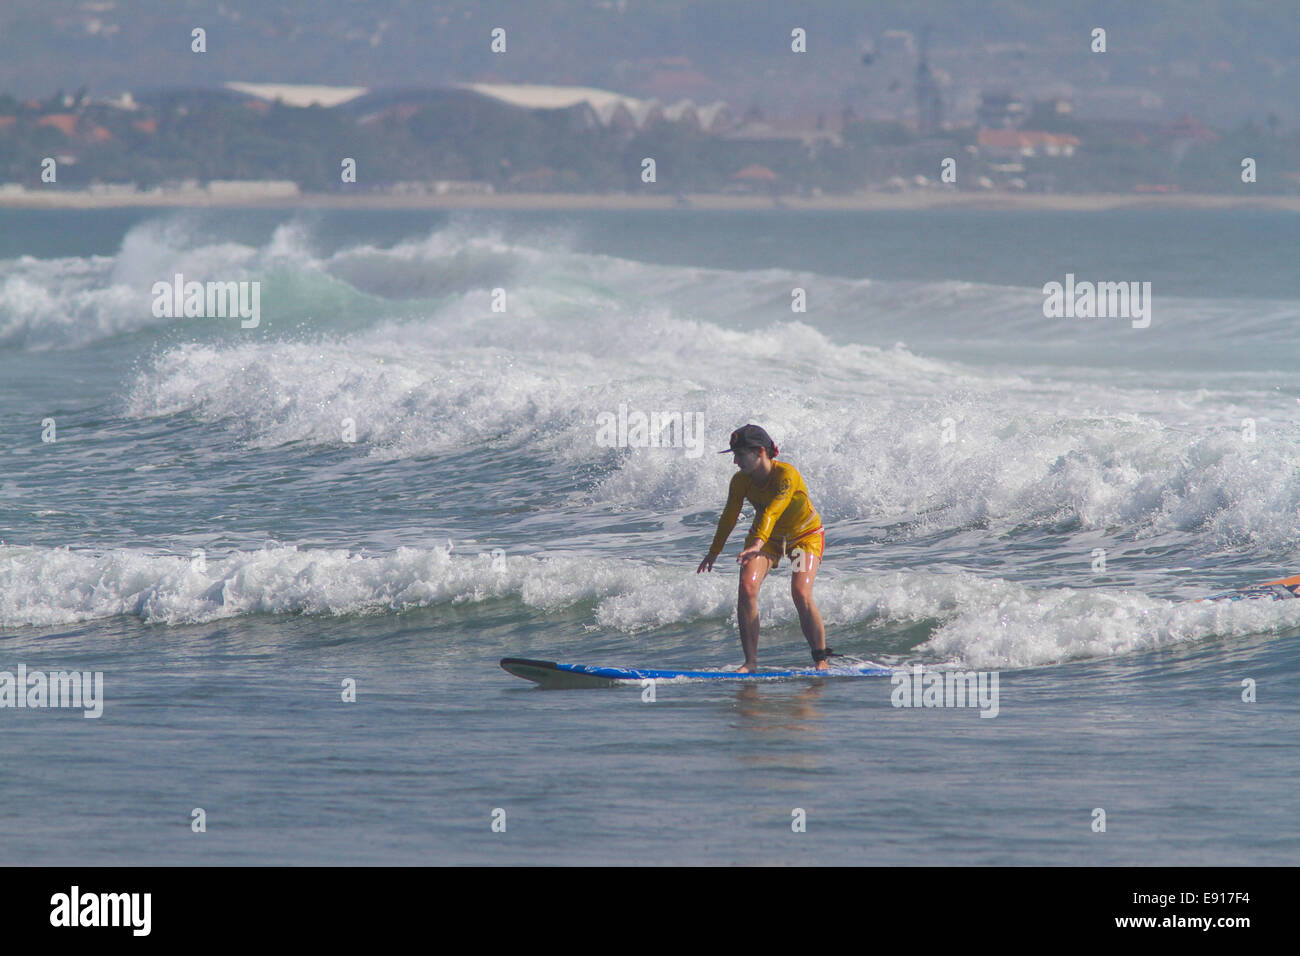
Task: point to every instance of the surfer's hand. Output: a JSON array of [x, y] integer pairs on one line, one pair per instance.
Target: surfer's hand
[[707, 563], [750, 552]]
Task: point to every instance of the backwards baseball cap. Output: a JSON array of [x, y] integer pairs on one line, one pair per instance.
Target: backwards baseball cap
[[750, 436]]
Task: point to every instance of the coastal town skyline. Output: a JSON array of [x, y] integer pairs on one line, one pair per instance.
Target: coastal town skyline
[[475, 140], [783, 103]]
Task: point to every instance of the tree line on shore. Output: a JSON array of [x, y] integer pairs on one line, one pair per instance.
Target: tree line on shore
[[463, 137]]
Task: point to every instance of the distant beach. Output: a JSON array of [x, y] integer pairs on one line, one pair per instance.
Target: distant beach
[[864, 202]]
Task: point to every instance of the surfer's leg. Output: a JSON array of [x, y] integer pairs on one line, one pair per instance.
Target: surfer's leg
[[801, 589], [752, 574]]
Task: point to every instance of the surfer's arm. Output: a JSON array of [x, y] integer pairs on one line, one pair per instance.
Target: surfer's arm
[[730, 514]]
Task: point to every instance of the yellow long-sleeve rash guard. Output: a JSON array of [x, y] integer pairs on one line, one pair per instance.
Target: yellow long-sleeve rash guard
[[782, 505]]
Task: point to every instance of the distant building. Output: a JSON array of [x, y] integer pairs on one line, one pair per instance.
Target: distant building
[[1001, 110], [608, 109], [1056, 105], [1138, 133], [124, 103], [298, 94], [755, 176], [1124, 102], [812, 133], [76, 127], [1012, 143], [66, 123], [590, 107]]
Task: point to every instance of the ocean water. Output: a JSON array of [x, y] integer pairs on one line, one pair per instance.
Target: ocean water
[[390, 485]]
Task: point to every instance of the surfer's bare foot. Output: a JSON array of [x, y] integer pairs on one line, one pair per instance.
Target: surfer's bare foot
[[823, 666], [746, 668]]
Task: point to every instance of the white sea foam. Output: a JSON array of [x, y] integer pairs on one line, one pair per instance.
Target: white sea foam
[[1064, 446], [69, 302], [979, 621], [881, 434]]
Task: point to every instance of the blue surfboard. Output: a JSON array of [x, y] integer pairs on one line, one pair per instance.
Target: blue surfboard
[[549, 674]]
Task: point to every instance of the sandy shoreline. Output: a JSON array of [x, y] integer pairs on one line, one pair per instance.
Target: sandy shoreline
[[523, 202]]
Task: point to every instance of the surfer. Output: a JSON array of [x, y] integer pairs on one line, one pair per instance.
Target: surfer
[[785, 522]]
